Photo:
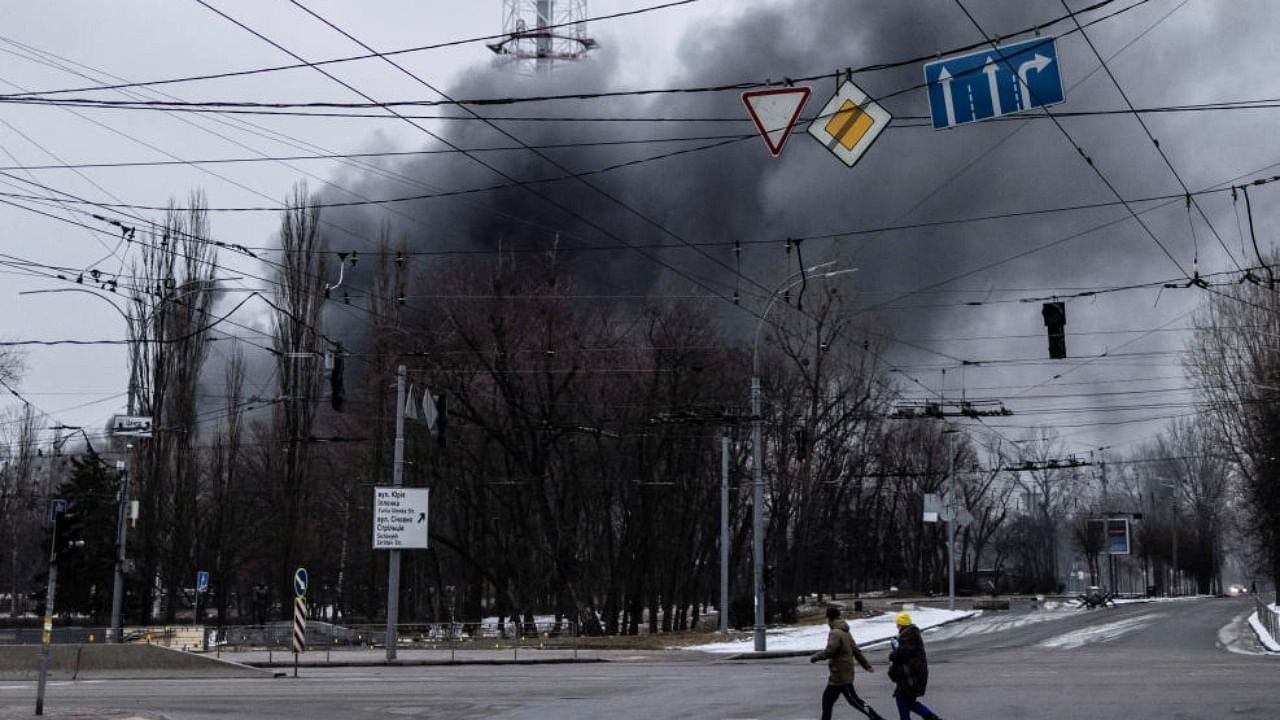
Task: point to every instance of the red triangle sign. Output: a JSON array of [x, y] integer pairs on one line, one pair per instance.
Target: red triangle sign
[[775, 113]]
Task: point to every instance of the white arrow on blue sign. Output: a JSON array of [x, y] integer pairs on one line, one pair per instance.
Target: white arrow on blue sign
[[994, 82], [300, 580], [202, 581]]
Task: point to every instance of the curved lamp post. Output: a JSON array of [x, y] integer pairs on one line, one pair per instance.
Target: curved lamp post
[[757, 453]]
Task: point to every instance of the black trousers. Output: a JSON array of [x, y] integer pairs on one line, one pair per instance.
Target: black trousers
[[834, 691]]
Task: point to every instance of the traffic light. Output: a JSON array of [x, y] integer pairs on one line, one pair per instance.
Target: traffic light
[[337, 390], [442, 418], [1055, 319], [69, 532]]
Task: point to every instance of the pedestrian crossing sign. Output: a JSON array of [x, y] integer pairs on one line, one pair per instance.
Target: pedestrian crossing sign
[[849, 123]]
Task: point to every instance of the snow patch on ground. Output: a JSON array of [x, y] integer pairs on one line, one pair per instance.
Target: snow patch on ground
[[812, 638], [999, 622], [1099, 633]]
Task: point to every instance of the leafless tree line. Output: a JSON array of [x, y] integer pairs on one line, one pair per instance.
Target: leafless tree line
[[579, 473]]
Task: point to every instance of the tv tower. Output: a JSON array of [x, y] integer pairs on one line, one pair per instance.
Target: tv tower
[[542, 33]]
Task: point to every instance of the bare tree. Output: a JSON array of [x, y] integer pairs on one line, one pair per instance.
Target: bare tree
[[169, 322], [19, 499], [297, 341], [1235, 363]]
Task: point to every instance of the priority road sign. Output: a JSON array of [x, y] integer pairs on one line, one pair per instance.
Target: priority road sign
[[300, 581], [775, 112], [849, 123], [994, 82]]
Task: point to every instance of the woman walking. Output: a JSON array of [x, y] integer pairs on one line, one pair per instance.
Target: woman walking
[[909, 670]]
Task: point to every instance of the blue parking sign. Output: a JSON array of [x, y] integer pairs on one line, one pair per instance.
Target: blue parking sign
[[994, 82]]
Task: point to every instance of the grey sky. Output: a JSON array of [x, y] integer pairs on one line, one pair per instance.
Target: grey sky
[[1205, 51]]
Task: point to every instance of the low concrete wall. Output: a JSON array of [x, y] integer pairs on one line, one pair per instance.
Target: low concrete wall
[[97, 661]]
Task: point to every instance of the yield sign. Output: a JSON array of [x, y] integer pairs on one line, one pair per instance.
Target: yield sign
[[775, 113]]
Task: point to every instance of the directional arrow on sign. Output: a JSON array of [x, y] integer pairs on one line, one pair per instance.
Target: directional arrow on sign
[[775, 113], [1038, 63]]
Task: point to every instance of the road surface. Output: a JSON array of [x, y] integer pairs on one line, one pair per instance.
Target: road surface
[[1165, 661]]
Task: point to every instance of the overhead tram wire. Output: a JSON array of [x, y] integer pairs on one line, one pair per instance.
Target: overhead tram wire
[[1224, 186], [1169, 197], [1143, 123], [370, 155], [354, 58], [289, 140], [745, 85], [1083, 155], [580, 178], [901, 122], [259, 130], [550, 201]]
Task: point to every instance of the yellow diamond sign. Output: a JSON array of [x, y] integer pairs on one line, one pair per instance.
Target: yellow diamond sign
[[849, 123]]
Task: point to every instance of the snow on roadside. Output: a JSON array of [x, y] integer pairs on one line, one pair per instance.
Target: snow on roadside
[[866, 631], [1272, 644]]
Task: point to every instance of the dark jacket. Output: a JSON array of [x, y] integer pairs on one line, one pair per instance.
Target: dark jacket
[[908, 665], [840, 653]]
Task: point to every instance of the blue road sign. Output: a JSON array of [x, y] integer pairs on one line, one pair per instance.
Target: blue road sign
[[994, 82], [202, 581], [300, 580]]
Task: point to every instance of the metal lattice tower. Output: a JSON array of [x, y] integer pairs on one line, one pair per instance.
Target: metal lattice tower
[[542, 33]]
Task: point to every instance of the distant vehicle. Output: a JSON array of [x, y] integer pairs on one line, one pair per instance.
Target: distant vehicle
[[1237, 590]]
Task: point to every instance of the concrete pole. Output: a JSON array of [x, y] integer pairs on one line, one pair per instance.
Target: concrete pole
[[757, 514], [397, 479], [122, 536], [46, 637], [724, 533], [951, 525], [1177, 576]]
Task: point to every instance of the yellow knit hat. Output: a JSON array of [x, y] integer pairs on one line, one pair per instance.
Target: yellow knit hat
[[904, 619]]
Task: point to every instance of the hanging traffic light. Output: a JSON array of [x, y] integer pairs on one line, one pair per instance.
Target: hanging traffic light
[[1055, 319], [337, 390]]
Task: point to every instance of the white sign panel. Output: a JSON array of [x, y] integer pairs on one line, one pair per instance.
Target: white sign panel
[[131, 425], [399, 518]]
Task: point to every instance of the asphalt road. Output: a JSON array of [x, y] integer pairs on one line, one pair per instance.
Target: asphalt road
[[1167, 661]]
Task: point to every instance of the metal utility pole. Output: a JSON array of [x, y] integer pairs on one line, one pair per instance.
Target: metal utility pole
[[757, 514], [397, 479], [724, 533], [951, 523], [122, 535]]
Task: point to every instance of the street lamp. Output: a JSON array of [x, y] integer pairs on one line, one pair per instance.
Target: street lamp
[[757, 453]]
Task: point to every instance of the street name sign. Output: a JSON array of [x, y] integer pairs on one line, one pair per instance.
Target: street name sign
[[775, 112], [994, 82], [131, 425], [399, 518], [849, 123]]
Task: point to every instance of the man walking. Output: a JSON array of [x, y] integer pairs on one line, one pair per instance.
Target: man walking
[[840, 653], [909, 670]]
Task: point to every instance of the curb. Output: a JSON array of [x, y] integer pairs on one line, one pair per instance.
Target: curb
[[775, 654], [421, 663]]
